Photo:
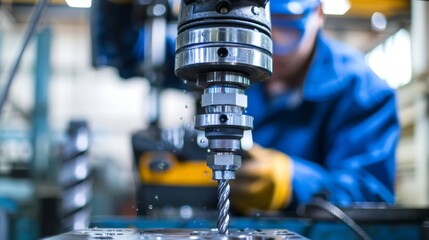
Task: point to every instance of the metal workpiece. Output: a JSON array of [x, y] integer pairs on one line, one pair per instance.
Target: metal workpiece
[[177, 234]]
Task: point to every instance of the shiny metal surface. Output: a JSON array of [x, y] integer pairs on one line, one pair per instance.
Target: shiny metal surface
[[224, 95], [225, 144], [233, 99], [223, 206], [224, 165], [224, 34], [191, 62], [224, 174], [76, 197], [241, 121], [75, 181], [210, 78], [74, 171], [223, 46], [223, 89], [177, 234], [234, 13], [224, 108]]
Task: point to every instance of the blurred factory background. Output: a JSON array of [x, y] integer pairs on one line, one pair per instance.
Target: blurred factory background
[[65, 131]]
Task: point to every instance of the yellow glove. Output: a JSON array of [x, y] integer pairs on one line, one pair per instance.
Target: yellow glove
[[263, 182]]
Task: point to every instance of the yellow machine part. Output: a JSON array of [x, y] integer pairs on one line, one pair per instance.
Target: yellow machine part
[[186, 173]]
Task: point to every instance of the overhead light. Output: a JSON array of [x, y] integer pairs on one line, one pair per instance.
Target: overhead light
[[335, 7], [378, 21], [79, 3]]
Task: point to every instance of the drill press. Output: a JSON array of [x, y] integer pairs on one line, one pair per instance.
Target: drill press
[[223, 46]]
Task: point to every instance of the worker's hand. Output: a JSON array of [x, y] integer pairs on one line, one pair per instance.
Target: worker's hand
[[263, 182]]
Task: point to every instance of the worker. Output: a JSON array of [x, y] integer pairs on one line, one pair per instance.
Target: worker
[[323, 123]]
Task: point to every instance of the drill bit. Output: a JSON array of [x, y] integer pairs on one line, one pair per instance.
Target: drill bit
[[223, 206]]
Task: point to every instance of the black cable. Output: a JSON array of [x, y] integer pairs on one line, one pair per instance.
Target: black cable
[[30, 32], [338, 213]]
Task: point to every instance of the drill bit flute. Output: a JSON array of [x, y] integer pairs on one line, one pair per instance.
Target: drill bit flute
[[224, 46], [223, 206]]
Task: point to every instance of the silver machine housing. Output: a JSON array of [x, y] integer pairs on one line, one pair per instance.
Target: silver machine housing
[[223, 46]]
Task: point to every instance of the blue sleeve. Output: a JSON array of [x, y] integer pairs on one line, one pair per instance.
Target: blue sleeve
[[359, 151]]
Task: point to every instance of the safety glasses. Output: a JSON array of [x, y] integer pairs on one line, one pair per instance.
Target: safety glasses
[[288, 31]]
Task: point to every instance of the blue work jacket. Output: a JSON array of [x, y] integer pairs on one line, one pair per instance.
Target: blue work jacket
[[340, 129]]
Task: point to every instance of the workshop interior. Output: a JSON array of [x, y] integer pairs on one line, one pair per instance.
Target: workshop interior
[[126, 119]]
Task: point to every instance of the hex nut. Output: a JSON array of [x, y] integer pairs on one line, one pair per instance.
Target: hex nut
[[224, 161], [233, 99]]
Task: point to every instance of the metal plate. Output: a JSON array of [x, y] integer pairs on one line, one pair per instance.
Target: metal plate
[[172, 234]]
